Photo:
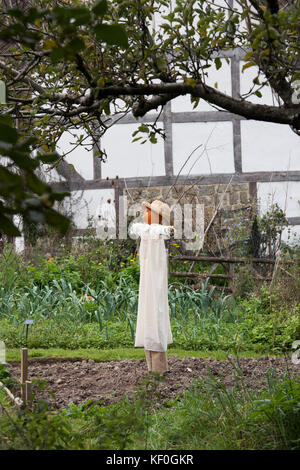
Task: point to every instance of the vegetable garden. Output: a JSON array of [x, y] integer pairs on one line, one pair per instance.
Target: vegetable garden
[[83, 304]]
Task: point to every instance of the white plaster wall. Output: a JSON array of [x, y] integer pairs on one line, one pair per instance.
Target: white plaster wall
[[214, 156], [127, 159], [84, 205], [269, 147], [81, 156]]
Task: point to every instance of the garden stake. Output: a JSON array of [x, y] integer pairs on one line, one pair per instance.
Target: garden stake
[[24, 372], [27, 391], [27, 323]]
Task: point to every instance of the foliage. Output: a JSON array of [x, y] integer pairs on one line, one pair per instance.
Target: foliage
[[34, 428], [68, 65], [271, 226], [23, 192], [4, 373], [198, 322], [210, 416], [88, 297], [84, 61], [280, 407], [86, 426]]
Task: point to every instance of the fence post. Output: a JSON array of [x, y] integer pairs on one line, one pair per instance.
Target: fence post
[[27, 391], [24, 372]]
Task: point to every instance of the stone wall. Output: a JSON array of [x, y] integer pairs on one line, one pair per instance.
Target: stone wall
[[236, 199], [237, 194]]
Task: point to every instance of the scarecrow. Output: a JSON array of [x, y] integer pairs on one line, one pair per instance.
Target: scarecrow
[[153, 330]]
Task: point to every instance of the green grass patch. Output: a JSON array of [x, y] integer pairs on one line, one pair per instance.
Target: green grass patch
[[101, 355]]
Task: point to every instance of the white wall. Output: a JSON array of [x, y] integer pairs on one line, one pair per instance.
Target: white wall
[[269, 147], [81, 156], [127, 159], [215, 154], [85, 205]]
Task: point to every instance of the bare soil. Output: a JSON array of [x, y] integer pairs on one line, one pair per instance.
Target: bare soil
[[79, 380]]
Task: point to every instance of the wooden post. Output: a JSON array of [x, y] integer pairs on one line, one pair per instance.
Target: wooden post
[[27, 391], [24, 372], [117, 205], [168, 256]]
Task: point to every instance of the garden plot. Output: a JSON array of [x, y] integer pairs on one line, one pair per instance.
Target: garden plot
[[79, 380]]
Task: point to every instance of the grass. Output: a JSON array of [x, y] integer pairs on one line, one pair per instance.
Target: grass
[[101, 355], [209, 416]]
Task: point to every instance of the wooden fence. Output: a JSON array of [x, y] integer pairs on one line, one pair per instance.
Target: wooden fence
[[217, 261]]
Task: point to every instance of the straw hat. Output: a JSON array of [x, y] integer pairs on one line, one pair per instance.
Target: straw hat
[[160, 208]]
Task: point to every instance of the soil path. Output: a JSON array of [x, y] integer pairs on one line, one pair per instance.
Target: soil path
[[79, 380]]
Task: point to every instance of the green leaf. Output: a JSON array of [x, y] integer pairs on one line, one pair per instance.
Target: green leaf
[[245, 13], [76, 44], [48, 158], [153, 139], [16, 13], [9, 178], [195, 100], [162, 63], [57, 54], [248, 56], [143, 128], [35, 184], [57, 220], [22, 159], [7, 227], [218, 63], [60, 196], [258, 93], [112, 34], [100, 7], [8, 133], [273, 33], [249, 64], [76, 16]]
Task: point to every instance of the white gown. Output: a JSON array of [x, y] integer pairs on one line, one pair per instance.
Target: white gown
[[153, 329]]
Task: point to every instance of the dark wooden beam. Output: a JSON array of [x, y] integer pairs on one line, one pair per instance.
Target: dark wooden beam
[[204, 116], [140, 182], [214, 259], [168, 142], [199, 275], [293, 220], [97, 170], [68, 171], [253, 191], [236, 123]]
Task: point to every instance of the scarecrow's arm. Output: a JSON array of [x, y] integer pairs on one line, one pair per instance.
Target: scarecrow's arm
[[136, 230], [167, 231]]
